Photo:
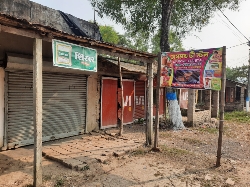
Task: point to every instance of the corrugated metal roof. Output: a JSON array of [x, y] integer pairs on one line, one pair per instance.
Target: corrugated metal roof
[[15, 22]]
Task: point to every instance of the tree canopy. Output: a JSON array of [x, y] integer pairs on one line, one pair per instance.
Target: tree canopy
[[139, 40], [109, 34], [151, 15], [239, 73]]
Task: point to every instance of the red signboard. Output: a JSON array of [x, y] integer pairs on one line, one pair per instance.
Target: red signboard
[[128, 96], [109, 103]]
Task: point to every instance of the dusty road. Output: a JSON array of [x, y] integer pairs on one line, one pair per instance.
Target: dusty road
[[187, 158]]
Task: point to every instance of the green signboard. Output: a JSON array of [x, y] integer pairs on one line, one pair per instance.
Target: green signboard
[[74, 56]]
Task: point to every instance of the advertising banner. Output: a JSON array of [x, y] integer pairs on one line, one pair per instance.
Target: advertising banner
[[74, 56], [197, 69]]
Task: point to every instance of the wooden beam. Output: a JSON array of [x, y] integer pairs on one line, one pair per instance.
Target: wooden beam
[[124, 56], [24, 32]]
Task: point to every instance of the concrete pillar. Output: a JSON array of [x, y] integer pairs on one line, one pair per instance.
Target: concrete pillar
[[37, 104], [208, 100], [92, 102], [1, 107], [215, 108], [191, 107]]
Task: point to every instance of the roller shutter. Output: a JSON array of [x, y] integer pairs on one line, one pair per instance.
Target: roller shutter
[[64, 107]]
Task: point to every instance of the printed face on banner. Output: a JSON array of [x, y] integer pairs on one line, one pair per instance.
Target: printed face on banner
[[198, 69]]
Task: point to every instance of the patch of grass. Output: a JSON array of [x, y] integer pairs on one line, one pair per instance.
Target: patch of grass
[[59, 183], [209, 130], [85, 168], [238, 116], [165, 135], [174, 151], [139, 151], [192, 141], [47, 177], [28, 185]]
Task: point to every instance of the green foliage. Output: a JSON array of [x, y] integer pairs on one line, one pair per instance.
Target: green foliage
[[139, 151], [173, 151], [174, 42], [59, 183], [208, 130], [238, 116], [85, 168], [238, 73], [136, 41], [109, 34], [146, 15]]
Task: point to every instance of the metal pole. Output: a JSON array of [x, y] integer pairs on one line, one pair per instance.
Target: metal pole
[[37, 103], [248, 84], [222, 105]]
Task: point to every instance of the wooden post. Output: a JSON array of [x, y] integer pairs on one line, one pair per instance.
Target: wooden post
[[191, 108], [122, 100], [37, 103], [157, 102], [222, 105], [248, 84], [150, 105], [165, 105], [146, 105]]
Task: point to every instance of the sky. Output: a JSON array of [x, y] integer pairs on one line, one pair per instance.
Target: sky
[[217, 34]]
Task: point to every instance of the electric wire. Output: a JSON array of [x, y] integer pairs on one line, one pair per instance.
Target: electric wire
[[231, 22]]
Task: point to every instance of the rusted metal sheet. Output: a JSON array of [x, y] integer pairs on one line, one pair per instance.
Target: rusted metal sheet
[[140, 100], [128, 95], [109, 103]]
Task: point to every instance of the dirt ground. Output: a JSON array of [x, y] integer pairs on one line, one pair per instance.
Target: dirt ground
[[187, 158]]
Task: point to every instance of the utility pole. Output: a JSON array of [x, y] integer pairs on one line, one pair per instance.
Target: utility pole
[[248, 82]]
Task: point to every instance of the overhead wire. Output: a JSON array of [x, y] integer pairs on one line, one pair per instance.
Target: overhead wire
[[237, 45], [234, 33], [231, 22]]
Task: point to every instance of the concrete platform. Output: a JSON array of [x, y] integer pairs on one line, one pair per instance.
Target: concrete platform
[[76, 152]]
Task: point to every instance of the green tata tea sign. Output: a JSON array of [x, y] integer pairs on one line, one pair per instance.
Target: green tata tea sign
[[74, 56]]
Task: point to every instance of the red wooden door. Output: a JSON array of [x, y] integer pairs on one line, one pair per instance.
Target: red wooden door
[[109, 103], [128, 96], [161, 103], [139, 100]]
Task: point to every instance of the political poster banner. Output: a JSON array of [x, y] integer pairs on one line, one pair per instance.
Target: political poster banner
[[197, 69]]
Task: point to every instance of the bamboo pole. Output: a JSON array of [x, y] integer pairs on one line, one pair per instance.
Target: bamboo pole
[[222, 105], [122, 100], [157, 102]]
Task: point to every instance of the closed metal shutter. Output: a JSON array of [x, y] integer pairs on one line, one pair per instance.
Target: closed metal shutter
[[64, 107]]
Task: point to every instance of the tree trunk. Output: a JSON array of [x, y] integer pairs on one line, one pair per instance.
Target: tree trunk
[[167, 6]]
